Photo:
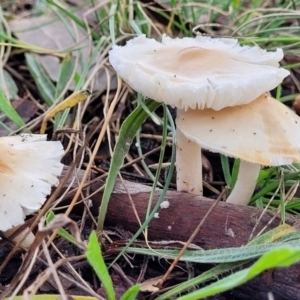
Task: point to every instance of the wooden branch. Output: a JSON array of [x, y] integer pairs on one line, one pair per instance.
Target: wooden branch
[[228, 226]]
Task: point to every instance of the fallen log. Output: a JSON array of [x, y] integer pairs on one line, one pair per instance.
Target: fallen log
[[227, 226]]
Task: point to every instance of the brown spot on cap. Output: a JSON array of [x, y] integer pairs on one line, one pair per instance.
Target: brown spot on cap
[[4, 168]]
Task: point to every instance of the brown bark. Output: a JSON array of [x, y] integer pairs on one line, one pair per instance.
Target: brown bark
[[183, 215]]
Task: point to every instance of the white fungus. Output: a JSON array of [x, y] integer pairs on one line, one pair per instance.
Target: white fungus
[[29, 166], [165, 204], [195, 74]]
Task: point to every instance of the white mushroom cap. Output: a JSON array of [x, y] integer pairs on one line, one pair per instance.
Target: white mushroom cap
[[200, 72], [264, 131], [29, 166]]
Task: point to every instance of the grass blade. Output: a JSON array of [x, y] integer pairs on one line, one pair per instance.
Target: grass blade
[[66, 76], [127, 132], [42, 80], [281, 232], [52, 297], [73, 17], [254, 249], [226, 170], [131, 293], [283, 256], [9, 86], [9, 111], [162, 195], [95, 258]]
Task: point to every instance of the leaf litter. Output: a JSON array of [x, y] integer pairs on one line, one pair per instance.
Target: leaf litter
[[63, 37]]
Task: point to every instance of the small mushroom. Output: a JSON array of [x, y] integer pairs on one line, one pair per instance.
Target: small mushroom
[[195, 74], [262, 132], [29, 166]]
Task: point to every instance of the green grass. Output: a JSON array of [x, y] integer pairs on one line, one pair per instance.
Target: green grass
[[118, 21]]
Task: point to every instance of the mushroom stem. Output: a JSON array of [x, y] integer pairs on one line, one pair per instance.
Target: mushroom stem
[[245, 184], [188, 163], [26, 235]]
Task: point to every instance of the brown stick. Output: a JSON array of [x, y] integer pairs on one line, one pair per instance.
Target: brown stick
[[227, 226]]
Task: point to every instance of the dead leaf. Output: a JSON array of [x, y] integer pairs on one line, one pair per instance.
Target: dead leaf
[[149, 285], [53, 34]]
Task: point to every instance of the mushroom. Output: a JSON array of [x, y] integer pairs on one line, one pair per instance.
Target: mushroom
[[196, 74], [262, 132], [29, 166]]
